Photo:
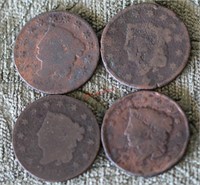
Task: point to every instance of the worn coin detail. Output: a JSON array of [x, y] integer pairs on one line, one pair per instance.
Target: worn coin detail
[[56, 138], [56, 52], [145, 133], [145, 46]]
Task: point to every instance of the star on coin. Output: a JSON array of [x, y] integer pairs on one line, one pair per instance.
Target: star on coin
[[33, 111], [109, 57], [163, 17], [172, 108], [75, 165], [179, 134], [30, 30], [150, 13], [84, 117], [121, 20], [22, 149], [67, 18], [85, 156], [172, 66], [112, 30], [177, 38], [60, 103], [135, 14], [109, 41], [40, 22], [73, 107], [178, 53], [88, 59], [29, 161], [20, 136], [89, 128], [145, 80], [118, 111], [160, 77], [176, 147], [177, 121], [24, 122], [90, 142], [78, 24], [128, 76], [39, 168], [173, 25], [86, 34], [91, 45]]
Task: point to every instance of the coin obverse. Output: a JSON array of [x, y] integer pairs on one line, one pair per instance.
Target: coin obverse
[[145, 46], [56, 52], [56, 138], [145, 133]]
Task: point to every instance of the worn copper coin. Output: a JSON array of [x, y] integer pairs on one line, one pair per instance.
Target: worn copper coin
[[145, 46], [145, 133], [56, 52], [56, 138]]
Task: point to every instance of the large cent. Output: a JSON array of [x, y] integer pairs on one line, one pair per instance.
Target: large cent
[[56, 138], [145, 133], [56, 52], [145, 46]]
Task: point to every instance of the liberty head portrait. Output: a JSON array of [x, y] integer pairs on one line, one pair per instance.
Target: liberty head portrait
[[146, 46], [58, 138], [57, 51], [147, 132]]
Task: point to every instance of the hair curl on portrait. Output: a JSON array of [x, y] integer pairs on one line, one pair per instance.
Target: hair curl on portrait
[[57, 51], [146, 45]]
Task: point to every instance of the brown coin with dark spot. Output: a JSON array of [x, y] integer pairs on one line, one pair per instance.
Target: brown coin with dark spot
[[145, 133], [56, 138], [56, 52], [145, 46]]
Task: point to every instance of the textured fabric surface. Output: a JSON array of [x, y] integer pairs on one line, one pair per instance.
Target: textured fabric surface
[[99, 93]]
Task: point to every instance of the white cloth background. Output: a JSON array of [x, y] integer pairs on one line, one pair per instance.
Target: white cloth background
[[100, 92]]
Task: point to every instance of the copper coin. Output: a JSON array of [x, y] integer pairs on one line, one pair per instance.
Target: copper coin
[[145, 46], [56, 52], [145, 133], [56, 138]]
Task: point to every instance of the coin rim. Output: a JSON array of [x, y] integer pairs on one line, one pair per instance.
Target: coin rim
[[97, 145], [88, 26], [142, 86], [171, 164]]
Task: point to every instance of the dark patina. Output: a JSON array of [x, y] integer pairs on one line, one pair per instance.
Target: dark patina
[[56, 52], [145, 133], [145, 46], [56, 138]]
